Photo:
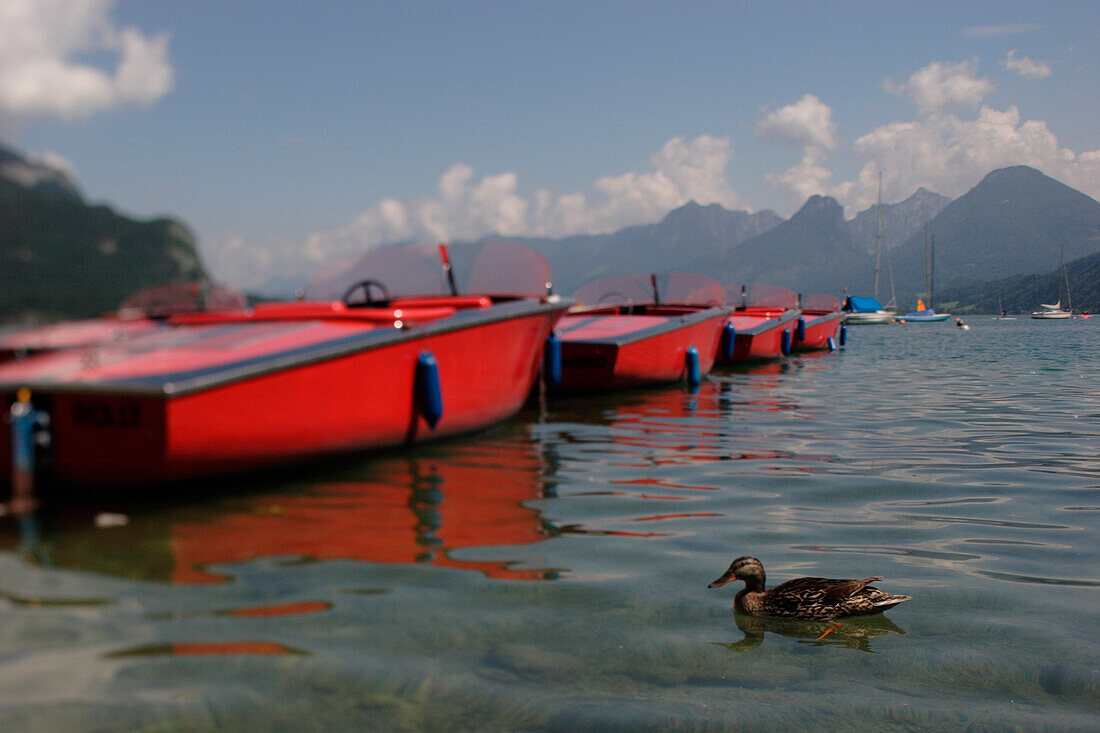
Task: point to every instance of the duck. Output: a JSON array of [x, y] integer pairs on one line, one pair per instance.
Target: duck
[[805, 598]]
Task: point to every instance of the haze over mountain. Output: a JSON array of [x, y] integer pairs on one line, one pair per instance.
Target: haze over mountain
[[691, 231], [812, 251], [899, 221]]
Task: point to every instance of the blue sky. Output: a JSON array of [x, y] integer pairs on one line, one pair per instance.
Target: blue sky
[[289, 133]]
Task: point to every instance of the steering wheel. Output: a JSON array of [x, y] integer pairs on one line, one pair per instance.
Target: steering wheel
[[368, 298], [628, 303]]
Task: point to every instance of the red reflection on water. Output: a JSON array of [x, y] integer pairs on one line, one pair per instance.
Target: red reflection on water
[[206, 648], [662, 484], [284, 609], [415, 510]]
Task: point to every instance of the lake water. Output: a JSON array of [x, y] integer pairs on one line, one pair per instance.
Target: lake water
[[551, 573]]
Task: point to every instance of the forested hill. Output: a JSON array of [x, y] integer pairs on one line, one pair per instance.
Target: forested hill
[[63, 258]]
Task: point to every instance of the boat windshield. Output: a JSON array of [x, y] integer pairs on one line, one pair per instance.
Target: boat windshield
[[492, 268], [761, 296], [190, 297], [677, 288], [820, 302]]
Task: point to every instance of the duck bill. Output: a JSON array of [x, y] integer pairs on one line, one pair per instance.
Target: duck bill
[[723, 580]]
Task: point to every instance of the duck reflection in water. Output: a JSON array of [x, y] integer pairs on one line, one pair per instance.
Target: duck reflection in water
[[855, 634]]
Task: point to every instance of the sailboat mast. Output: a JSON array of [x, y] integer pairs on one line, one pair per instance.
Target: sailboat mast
[[878, 235], [927, 257], [932, 272], [1065, 279]]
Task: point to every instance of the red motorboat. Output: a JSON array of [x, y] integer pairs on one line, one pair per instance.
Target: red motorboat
[[401, 357], [762, 326], [819, 325], [144, 311], [628, 332]]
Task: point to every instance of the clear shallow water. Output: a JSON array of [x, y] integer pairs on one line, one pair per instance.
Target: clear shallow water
[[552, 572]]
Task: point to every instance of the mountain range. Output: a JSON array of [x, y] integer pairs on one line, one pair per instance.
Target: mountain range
[[63, 257], [1015, 221]]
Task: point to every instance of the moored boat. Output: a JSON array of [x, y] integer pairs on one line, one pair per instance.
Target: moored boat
[[399, 358], [819, 323], [144, 311], [865, 310], [632, 330], [1052, 312], [763, 325], [922, 315], [1055, 312]]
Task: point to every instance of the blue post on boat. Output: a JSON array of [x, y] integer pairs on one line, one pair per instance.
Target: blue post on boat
[[843, 335], [831, 343], [551, 360], [785, 342], [691, 363], [729, 340], [800, 333], [429, 394]]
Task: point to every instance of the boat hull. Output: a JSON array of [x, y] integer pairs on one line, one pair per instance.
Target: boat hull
[[612, 349], [1052, 315], [818, 328], [910, 318], [758, 333], [867, 319], [234, 395]]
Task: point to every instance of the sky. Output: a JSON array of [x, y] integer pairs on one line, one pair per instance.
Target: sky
[[287, 133]]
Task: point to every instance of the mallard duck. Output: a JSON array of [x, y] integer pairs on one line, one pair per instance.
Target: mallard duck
[[804, 598]]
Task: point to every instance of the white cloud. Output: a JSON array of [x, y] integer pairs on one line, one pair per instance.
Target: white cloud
[[41, 75], [466, 207], [809, 121], [949, 155], [807, 178], [941, 87], [1031, 70]]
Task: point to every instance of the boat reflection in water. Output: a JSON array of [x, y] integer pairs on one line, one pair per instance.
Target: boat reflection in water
[[421, 507], [853, 633]]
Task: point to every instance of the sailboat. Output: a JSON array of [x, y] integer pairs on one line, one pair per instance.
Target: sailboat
[[1055, 312], [865, 309], [926, 314]]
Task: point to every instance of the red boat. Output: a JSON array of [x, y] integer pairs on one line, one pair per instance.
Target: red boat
[[225, 391], [819, 325], [762, 325], [144, 311], [626, 333]]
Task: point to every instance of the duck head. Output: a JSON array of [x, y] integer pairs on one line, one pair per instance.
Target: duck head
[[746, 568]]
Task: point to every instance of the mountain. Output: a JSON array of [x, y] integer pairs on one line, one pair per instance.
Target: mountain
[[1014, 222], [899, 221], [687, 234], [37, 176], [1024, 293], [63, 258], [810, 252]]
